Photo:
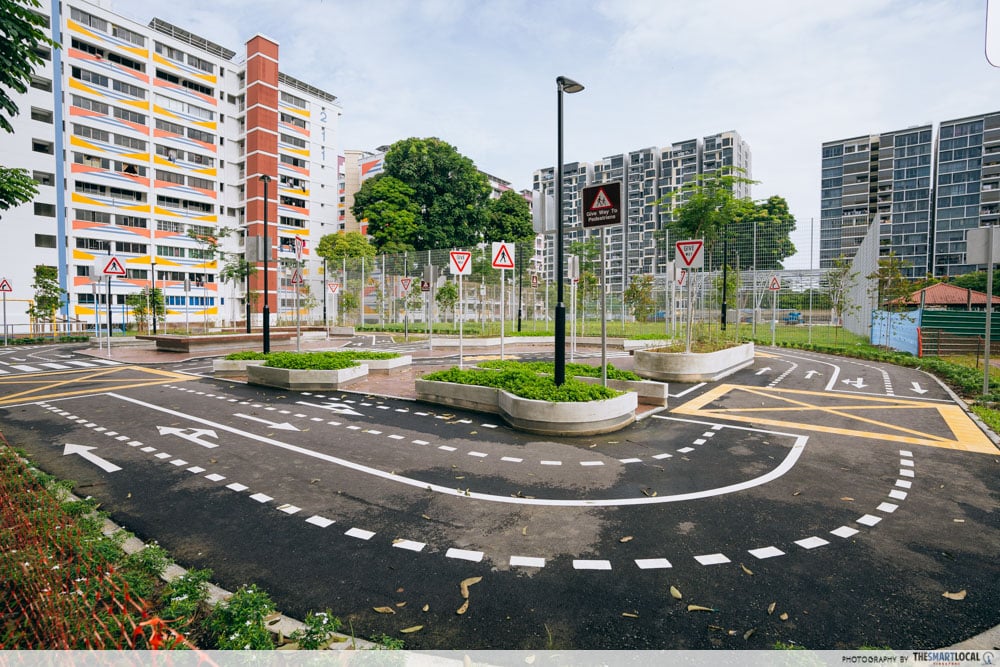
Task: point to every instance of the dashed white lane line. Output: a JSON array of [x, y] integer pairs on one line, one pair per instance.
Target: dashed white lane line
[[844, 531], [812, 542], [25, 368], [511, 459], [194, 470], [465, 554], [906, 473], [420, 442], [480, 455], [897, 495], [869, 520], [360, 534], [888, 508], [766, 552], [685, 450], [700, 441], [591, 565], [902, 483], [262, 497], [653, 563], [551, 463], [660, 457], [906, 453], [712, 559], [446, 448], [526, 561], [320, 521], [179, 462], [906, 463], [236, 486], [289, 509], [630, 460], [58, 367], [163, 455], [215, 477]]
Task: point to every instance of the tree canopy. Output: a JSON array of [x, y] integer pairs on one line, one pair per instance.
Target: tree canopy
[[336, 247], [508, 218], [428, 196]]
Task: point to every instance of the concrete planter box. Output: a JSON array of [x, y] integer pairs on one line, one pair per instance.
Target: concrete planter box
[[233, 366], [541, 417], [189, 344], [693, 367], [547, 418], [305, 379], [394, 365], [649, 392], [467, 396]]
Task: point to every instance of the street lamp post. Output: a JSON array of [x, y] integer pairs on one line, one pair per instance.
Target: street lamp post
[[152, 294], [563, 85], [267, 251]]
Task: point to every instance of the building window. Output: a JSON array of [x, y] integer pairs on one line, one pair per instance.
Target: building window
[[44, 178], [169, 177], [130, 221], [167, 126], [129, 89], [41, 146], [130, 116], [292, 100], [169, 251], [90, 105], [131, 248], [93, 244], [41, 115], [46, 210], [128, 35], [202, 183], [88, 20], [45, 241], [93, 216], [199, 135]]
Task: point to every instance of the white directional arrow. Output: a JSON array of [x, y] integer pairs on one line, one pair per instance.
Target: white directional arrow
[[339, 408], [917, 388], [809, 374], [763, 370], [859, 383], [190, 434], [85, 453], [283, 426]]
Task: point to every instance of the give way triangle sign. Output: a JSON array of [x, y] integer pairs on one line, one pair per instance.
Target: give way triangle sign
[[690, 253], [460, 264]]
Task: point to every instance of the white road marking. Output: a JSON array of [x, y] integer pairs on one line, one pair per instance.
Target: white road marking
[[905, 453], [591, 565], [630, 460], [163, 455], [700, 441], [237, 487], [54, 365], [395, 436], [795, 451], [511, 459], [903, 483], [489, 425], [179, 462], [320, 521], [478, 454], [686, 391], [215, 477], [25, 368], [465, 554], [660, 457], [906, 473], [196, 469], [360, 534], [869, 520], [812, 542], [262, 497], [446, 448], [907, 463], [148, 449], [526, 561], [591, 463], [685, 450], [766, 552], [420, 442], [289, 509], [652, 563], [551, 463], [87, 454], [844, 531], [134, 443], [712, 559], [897, 495], [888, 508]]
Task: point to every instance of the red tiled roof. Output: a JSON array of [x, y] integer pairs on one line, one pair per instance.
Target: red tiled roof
[[944, 294]]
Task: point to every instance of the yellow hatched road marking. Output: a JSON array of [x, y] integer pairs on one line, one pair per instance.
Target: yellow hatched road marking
[[965, 435], [47, 385]]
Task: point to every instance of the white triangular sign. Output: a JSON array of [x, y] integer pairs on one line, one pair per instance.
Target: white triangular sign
[[774, 284], [503, 258], [113, 268], [5, 286], [601, 201], [333, 287], [690, 253], [405, 282], [296, 277], [460, 265]]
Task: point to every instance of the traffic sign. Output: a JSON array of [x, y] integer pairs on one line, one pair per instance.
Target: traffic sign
[[5, 286], [503, 255], [534, 280], [681, 277], [690, 253], [602, 204], [774, 284], [460, 264], [113, 267], [333, 287], [425, 286], [405, 282], [300, 244], [296, 278]]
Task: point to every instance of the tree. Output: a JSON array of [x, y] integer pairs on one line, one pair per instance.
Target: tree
[[48, 295], [732, 286], [429, 196], [707, 207], [334, 248], [890, 285], [23, 40], [772, 223], [508, 218], [976, 280], [446, 297], [639, 297], [840, 280], [145, 302]]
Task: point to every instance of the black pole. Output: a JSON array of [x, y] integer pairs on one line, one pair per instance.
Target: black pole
[[267, 251], [109, 303], [520, 285], [325, 288], [725, 275], [246, 298], [152, 298], [560, 352]]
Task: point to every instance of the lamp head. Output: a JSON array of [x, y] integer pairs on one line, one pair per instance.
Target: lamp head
[[265, 178], [568, 85]]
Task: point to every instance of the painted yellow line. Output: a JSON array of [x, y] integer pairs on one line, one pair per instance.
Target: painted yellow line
[[48, 389], [966, 435]]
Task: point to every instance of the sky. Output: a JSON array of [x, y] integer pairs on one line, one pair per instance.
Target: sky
[[480, 74]]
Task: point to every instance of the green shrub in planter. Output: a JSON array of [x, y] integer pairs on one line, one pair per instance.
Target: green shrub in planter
[[528, 384], [315, 361], [572, 369], [245, 355]]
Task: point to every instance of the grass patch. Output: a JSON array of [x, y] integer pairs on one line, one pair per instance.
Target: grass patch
[[528, 384], [572, 370]]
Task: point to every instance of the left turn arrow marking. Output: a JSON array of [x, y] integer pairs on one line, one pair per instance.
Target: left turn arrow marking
[[85, 453]]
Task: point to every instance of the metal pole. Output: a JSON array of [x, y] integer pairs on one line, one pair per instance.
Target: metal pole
[[572, 324], [298, 313], [246, 298], [151, 301], [811, 279], [725, 276], [406, 304], [560, 338], [267, 251], [361, 310], [5, 319], [520, 284], [989, 311], [503, 315], [690, 304], [109, 314], [326, 322], [604, 314], [774, 315], [461, 318]]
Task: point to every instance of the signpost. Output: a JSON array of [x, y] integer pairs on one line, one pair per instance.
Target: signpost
[[4, 288], [774, 285], [112, 267], [296, 282], [503, 259], [981, 248], [573, 273], [690, 255], [461, 265], [602, 207]]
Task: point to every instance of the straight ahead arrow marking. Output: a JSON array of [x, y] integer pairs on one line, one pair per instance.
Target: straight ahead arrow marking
[[84, 452], [917, 388]]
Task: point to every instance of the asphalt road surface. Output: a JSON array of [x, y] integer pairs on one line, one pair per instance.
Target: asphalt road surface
[[811, 499]]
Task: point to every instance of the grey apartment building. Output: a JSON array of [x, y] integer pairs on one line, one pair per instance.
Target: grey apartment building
[[923, 192], [649, 176]]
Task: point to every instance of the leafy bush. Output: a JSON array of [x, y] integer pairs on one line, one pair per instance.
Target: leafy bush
[[329, 361], [527, 384], [143, 568], [319, 627], [239, 622], [572, 370], [245, 355], [182, 598]]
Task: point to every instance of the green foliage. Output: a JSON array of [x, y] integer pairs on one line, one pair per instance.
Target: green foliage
[[526, 383], [976, 280], [323, 360], [386, 643], [890, 284], [238, 623], [143, 568], [335, 248], [732, 287], [245, 355], [24, 38], [508, 218], [639, 297], [572, 369], [707, 206], [319, 627], [145, 302], [429, 196], [16, 185], [446, 297], [48, 294], [182, 598]]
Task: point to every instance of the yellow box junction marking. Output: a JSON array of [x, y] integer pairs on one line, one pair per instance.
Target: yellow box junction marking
[[50, 385], [965, 435]]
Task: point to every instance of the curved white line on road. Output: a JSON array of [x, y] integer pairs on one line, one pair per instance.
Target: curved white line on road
[[787, 464]]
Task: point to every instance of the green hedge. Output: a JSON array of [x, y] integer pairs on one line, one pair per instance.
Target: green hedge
[[322, 361], [572, 369], [526, 383]]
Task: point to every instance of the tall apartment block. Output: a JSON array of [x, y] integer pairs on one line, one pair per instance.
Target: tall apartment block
[[148, 142], [649, 177], [923, 192]]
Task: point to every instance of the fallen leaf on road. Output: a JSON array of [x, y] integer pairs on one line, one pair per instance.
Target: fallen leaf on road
[[412, 628], [675, 593], [848, 499], [770, 608], [384, 610], [424, 516], [426, 608], [464, 586], [955, 596], [746, 569], [797, 493], [524, 531], [464, 608], [400, 604], [698, 607], [629, 615], [748, 633], [627, 538], [784, 616]]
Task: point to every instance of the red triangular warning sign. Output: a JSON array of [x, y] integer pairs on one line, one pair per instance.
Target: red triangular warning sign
[[503, 259], [405, 282], [460, 261], [5, 286], [601, 201], [333, 287], [113, 268], [774, 284], [689, 251]]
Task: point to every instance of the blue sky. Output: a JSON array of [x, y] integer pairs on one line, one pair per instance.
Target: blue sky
[[786, 74]]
